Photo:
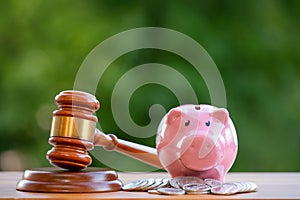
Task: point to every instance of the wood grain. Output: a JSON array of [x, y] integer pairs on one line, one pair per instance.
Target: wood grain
[[270, 186]]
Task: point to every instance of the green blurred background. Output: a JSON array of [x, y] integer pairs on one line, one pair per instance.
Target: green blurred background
[[255, 44]]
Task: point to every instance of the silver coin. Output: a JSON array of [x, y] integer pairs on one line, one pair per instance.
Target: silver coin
[[150, 182], [174, 182], [247, 186], [198, 192], [135, 185], [153, 192], [225, 189], [156, 184], [241, 186], [251, 187], [165, 183], [171, 191], [254, 186], [212, 182], [188, 180], [196, 187]]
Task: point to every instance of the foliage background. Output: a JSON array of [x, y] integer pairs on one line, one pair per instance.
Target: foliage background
[[255, 44]]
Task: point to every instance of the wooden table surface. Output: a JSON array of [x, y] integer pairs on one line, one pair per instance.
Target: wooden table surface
[[270, 186]]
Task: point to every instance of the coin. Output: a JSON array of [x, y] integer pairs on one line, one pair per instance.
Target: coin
[[171, 191], [165, 183], [196, 187], [153, 192], [145, 187], [174, 181], [156, 184], [225, 189], [198, 192], [212, 182], [189, 185], [188, 180], [135, 185], [241, 186], [251, 187], [247, 186]]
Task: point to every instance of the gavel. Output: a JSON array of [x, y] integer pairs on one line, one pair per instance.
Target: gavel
[[74, 133]]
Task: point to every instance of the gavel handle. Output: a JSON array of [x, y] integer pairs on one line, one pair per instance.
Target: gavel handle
[[140, 152]]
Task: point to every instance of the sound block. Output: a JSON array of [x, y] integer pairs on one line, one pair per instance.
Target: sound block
[[55, 180]]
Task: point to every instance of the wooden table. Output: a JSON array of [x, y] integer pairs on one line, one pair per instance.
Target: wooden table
[[270, 186]]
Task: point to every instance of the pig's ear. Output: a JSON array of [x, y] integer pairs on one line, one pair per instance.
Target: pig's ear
[[221, 114], [173, 115]]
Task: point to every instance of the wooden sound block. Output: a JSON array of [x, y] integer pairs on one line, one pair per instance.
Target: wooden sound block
[[55, 180]]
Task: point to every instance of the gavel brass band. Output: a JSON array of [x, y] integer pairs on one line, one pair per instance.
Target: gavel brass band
[[73, 127]]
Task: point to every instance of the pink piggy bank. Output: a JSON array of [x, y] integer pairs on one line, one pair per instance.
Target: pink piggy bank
[[197, 140]]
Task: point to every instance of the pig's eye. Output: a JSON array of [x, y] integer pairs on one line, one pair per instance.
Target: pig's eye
[[187, 123], [207, 123]]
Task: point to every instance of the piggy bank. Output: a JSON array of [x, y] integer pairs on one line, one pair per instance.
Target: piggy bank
[[197, 140]]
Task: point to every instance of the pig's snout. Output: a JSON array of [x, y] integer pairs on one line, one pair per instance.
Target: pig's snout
[[200, 152]]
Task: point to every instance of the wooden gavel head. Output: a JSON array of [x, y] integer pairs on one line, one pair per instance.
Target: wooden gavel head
[[72, 130]]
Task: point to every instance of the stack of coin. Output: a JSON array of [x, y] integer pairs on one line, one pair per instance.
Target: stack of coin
[[196, 188], [146, 184], [189, 185], [234, 187]]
